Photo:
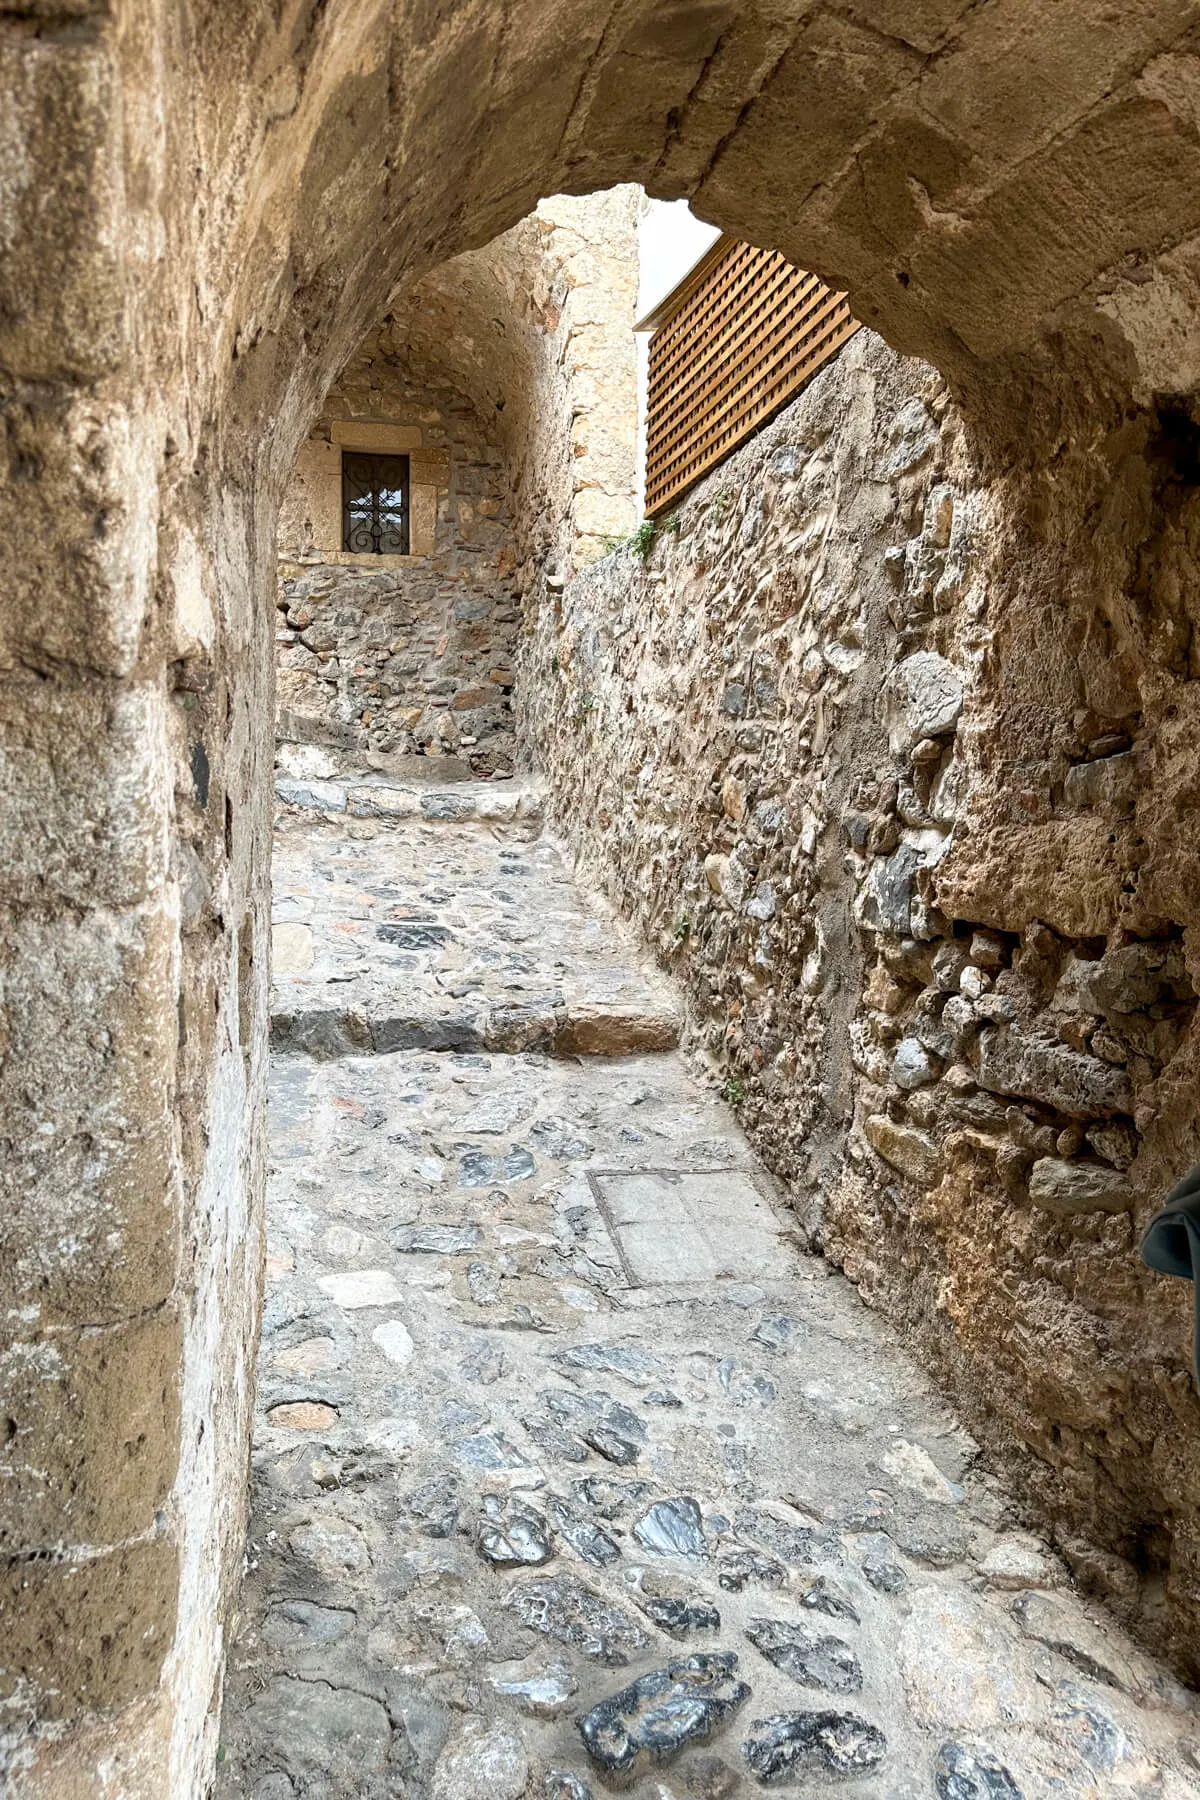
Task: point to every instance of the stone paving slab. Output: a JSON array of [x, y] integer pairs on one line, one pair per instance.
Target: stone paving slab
[[402, 935], [521, 1530]]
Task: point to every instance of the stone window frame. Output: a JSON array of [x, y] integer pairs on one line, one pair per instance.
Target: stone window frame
[[319, 467]]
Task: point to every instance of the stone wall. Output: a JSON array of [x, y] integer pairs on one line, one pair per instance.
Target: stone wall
[[884, 830], [509, 378], [400, 655]]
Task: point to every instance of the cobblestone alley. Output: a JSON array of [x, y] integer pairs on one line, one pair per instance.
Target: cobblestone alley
[[572, 1469]]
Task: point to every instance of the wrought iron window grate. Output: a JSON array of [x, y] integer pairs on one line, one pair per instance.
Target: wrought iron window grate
[[375, 504]]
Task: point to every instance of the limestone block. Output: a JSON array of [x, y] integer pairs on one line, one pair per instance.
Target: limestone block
[[61, 276], [912, 1065], [1129, 978], [362, 1287], [83, 531], [291, 949], [422, 519], [912, 436], [92, 1443], [340, 1733], [430, 468], [922, 699], [485, 1762], [1109, 781], [886, 900], [1008, 90], [470, 699], [1011, 1061], [1004, 267], [1078, 1187], [606, 1028], [911, 1151], [366, 434], [88, 1188], [85, 784], [959, 1666], [315, 516], [304, 1415], [325, 796], [383, 803], [90, 1634], [1058, 870]]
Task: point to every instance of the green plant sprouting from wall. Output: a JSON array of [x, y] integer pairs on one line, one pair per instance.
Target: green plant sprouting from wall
[[642, 540]]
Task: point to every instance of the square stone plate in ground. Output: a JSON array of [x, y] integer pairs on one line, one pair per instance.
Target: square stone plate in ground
[[677, 1225]]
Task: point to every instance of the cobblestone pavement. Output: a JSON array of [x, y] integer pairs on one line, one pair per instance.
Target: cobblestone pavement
[[436, 935], [573, 1471]]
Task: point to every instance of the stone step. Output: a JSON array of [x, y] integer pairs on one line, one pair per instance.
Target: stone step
[[399, 934], [436, 803], [556, 1027]]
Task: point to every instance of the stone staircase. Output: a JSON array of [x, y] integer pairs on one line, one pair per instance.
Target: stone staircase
[[439, 916]]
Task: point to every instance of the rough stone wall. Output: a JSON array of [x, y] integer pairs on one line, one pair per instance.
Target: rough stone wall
[[402, 655], [135, 964], [879, 811]]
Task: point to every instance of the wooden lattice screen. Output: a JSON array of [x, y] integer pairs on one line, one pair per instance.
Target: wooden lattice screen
[[729, 346]]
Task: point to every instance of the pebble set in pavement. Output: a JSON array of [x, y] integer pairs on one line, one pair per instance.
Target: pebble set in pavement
[[536, 1514]]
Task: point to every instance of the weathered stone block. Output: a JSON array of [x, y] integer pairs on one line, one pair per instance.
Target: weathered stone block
[[886, 902], [1078, 1187], [912, 1065], [291, 949], [1009, 90], [89, 1224], [1109, 781], [1129, 978], [429, 468], [85, 784], [923, 699], [385, 437], [1013, 1062], [91, 1634], [63, 310], [76, 516], [1028, 247], [91, 1442], [422, 519], [911, 1151]]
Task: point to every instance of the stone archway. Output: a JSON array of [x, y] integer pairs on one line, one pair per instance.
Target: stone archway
[[205, 217]]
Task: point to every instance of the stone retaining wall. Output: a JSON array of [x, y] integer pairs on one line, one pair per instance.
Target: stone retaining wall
[[904, 908]]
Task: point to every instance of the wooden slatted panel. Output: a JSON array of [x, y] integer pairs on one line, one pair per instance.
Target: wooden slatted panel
[[731, 345]]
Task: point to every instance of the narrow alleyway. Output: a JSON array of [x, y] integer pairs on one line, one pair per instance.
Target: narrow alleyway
[[571, 1468]]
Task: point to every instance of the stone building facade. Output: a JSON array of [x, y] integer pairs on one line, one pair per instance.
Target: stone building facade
[[508, 381], [399, 655]]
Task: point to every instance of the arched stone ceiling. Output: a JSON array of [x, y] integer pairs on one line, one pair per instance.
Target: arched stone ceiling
[[1007, 189]]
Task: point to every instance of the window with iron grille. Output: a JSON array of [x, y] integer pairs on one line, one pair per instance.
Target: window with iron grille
[[374, 504]]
